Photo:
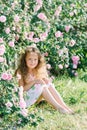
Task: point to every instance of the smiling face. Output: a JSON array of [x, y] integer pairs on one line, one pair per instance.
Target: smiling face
[[32, 60]]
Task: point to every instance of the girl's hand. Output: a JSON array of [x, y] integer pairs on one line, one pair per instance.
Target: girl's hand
[[39, 81], [46, 80]]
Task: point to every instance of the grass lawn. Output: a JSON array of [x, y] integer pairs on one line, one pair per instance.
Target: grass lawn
[[74, 93]]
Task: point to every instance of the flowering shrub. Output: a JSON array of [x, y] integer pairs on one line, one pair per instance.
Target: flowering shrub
[[58, 28], [13, 112]]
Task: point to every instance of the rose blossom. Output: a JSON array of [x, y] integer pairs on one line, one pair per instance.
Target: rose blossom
[[72, 42], [2, 59], [9, 104], [48, 66], [67, 28], [76, 74], [39, 2], [1, 40], [22, 103], [85, 4], [2, 49], [75, 59], [46, 54], [11, 43], [16, 18], [7, 30], [9, 76], [36, 40], [58, 11], [24, 112], [31, 34], [71, 14], [37, 7], [43, 36], [42, 16], [60, 66], [58, 34], [6, 76], [16, 37], [66, 65], [2, 18]]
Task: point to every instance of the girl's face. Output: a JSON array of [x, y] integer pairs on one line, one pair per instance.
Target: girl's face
[[32, 60]]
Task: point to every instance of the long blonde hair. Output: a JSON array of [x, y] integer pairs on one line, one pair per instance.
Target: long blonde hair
[[40, 69]]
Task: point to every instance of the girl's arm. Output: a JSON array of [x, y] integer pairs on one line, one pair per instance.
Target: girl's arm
[[33, 82]]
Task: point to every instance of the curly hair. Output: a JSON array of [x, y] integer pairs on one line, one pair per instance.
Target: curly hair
[[40, 68]]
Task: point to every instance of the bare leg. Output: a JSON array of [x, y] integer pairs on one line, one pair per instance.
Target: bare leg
[[58, 98], [50, 99]]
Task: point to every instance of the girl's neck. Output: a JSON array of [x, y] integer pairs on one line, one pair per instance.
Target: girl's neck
[[31, 71]]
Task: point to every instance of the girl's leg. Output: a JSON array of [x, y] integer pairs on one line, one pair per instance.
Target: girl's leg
[[58, 98], [50, 99]]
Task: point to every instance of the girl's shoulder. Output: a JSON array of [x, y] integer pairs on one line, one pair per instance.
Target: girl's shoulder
[[18, 74]]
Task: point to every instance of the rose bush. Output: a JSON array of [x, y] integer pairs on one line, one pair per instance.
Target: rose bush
[[57, 28]]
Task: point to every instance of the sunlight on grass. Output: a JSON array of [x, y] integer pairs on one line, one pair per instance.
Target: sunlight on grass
[[74, 93]]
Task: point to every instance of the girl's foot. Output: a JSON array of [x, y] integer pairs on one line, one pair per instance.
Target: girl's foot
[[65, 111]]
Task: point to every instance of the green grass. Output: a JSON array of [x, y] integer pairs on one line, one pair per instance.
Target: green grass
[[74, 93]]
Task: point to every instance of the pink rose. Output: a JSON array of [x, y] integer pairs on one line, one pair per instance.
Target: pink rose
[[24, 112], [2, 18], [16, 18], [7, 30], [43, 36], [58, 11], [67, 28], [17, 37], [71, 14], [76, 74], [72, 5], [60, 52], [22, 103], [2, 59], [1, 40], [75, 59], [72, 42], [66, 65], [60, 66], [48, 66], [31, 34], [36, 40], [9, 77], [85, 4], [46, 54], [75, 66], [37, 7], [9, 104], [26, 23], [42, 16], [58, 34], [39, 2], [13, 28], [2, 49], [11, 44], [4, 76]]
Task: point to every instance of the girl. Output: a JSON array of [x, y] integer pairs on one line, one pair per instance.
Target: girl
[[35, 80]]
